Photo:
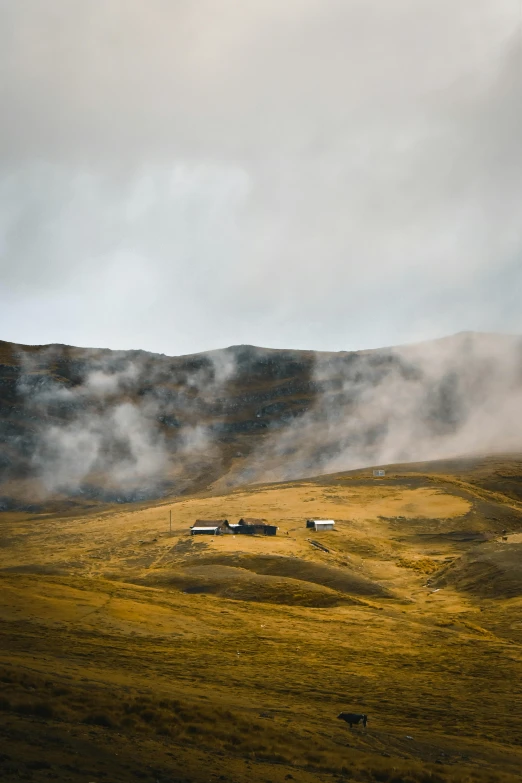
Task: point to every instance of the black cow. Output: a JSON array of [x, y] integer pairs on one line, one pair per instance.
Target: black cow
[[353, 718]]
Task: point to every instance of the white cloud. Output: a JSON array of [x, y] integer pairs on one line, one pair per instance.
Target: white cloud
[[452, 397]]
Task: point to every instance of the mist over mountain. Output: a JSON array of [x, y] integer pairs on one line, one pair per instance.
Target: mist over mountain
[[90, 425]]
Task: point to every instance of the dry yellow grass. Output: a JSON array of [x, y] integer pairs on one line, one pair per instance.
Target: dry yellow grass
[[423, 565], [113, 669]]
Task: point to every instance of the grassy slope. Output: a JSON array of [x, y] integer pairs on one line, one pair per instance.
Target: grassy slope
[[111, 670]]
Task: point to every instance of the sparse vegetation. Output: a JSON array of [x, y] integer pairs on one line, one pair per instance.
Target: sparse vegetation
[[423, 565], [111, 668]]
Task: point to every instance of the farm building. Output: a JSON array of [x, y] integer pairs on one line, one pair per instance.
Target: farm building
[[202, 531], [250, 526], [209, 527], [233, 528], [320, 524]]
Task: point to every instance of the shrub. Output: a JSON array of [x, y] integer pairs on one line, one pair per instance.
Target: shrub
[[149, 716], [381, 775], [39, 708], [164, 731], [38, 764], [99, 719], [43, 710], [60, 691]]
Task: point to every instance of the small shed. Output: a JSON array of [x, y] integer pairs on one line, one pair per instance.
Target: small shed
[[321, 524], [379, 473]]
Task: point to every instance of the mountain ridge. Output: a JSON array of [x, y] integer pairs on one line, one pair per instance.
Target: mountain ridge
[[97, 425], [10, 344]]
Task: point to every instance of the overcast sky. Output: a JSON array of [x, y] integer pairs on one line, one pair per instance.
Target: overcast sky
[[329, 174]]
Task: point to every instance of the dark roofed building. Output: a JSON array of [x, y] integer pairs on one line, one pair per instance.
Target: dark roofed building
[[251, 521], [211, 522], [253, 526]]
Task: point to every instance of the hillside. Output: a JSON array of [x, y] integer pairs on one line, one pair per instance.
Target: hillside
[[92, 426], [123, 426], [129, 651]]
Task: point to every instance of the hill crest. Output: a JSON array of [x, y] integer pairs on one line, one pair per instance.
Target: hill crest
[[88, 425]]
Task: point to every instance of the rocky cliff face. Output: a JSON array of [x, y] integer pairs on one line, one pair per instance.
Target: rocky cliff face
[[88, 425]]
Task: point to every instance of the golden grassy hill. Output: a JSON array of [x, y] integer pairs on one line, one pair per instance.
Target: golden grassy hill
[[131, 653]]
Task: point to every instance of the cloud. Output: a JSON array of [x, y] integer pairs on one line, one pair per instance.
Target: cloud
[[132, 426], [318, 174], [452, 397], [100, 383], [115, 425], [85, 433]]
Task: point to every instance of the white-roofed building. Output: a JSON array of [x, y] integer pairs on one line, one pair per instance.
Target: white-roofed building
[[320, 524], [201, 531], [209, 527]]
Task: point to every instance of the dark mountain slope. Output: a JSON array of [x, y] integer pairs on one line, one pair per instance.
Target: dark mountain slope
[[94, 425], [126, 425]]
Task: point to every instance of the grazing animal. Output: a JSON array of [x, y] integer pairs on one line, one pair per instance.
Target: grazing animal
[[353, 718]]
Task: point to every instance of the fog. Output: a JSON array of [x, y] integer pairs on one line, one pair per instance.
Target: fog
[[103, 435], [319, 174], [455, 397], [133, 426]]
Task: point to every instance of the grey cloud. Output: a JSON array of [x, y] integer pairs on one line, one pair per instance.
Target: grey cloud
[[180, 176], [116, 76]]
